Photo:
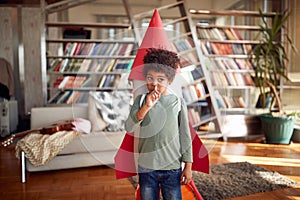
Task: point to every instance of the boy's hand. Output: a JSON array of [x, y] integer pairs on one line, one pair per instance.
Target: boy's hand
[[152, 97], [186, 175]]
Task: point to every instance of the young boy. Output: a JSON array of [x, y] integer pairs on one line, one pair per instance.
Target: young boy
[[164, 136]]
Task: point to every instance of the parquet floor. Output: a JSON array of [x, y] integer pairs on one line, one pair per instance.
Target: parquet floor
[[99, 183]]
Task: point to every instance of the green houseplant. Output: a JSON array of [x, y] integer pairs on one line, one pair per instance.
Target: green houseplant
[[270, 60]]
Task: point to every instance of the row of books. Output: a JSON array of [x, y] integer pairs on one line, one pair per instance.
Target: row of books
[[91, 65], [194, 115], [106, 80], [230, 64], [231, 79], [70, 82], [69, 97], [189, 58], [187, 53], [214, 48], [102, 48], [118, 81], [110, 80], [222, 34], [191, 76], [183, 44], [228, 102], [194, 92], [197, 111]]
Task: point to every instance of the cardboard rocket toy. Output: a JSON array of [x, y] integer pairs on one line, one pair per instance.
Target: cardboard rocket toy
[[125, 159]]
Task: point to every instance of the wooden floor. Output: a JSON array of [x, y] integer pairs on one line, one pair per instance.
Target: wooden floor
[[99, 182]]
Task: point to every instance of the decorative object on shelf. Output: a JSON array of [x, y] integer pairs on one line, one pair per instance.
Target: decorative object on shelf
[[271, 58]]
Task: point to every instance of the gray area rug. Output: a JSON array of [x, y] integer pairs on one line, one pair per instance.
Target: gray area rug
[[236, 179]]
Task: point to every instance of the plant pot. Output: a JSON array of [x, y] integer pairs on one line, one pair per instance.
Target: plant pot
[[277, 129]]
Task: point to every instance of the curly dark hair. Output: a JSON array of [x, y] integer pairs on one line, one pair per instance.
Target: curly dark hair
[[161, 60]]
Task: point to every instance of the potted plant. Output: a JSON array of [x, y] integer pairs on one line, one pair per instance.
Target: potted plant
[[270, 60]]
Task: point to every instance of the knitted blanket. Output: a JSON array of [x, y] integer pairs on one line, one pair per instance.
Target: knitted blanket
[[41, 148]]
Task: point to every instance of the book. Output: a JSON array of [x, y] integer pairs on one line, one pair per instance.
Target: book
[[109, 65], [86, 48], [227, 101], [240, 102], [205, 33], [191, 116], [88, 82], [238, 49], [244, 64], [56, 97], [231, 79], [68, 48], [102, 49], [78, 49], [82, 48], [75, 96], [64, 97], [101, 81], [64, 65], [193, 92], [248, 80], [240, 79], [82, 98], [129, 49], [200, 90], [63, 82], [217, 34], [229, 34], [120, 65], [111, 50], [219, 99], [122, 49], [53, 64], [57, 82], [100, 65], [236, 34]]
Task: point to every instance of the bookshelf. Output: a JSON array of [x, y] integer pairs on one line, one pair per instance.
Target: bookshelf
[[196, 89], [225, 52], [79, 63], [226, 56], [226, 41]]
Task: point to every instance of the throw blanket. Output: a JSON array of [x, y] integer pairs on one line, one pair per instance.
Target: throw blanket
[[41, 148]]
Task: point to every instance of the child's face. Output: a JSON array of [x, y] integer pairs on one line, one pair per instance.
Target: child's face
[[157, 81]]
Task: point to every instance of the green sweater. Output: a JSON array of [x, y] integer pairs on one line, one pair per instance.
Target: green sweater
[[164, 136]]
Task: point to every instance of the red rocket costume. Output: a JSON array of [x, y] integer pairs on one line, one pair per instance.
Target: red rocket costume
[[125, 165]]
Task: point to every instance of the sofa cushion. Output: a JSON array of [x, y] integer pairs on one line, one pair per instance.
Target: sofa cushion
[[94, 142]]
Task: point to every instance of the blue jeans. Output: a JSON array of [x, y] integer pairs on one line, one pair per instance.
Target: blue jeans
[[151, 181]]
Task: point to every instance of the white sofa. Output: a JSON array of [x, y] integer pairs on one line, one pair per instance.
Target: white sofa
[[93, 149]]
